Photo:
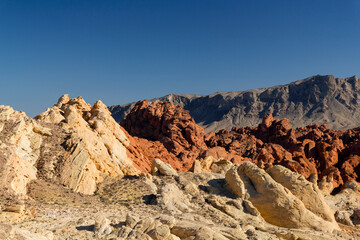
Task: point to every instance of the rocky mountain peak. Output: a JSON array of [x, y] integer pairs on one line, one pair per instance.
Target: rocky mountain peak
[[317, 99]]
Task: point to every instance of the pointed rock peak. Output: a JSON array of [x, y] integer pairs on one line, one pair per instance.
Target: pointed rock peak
[[64, 99], [143, 103], [170, 97], [5, 112], [100, 107], [99, 104], [267, 120], [80, 104]]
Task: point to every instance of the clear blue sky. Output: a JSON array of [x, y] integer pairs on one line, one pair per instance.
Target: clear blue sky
[[123, 51]]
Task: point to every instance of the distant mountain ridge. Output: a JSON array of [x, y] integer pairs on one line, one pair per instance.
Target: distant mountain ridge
[[314, 100]]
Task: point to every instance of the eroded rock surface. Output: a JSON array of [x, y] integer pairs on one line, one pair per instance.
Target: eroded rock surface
[[169, 133], [283, 198], [72, 143], [188, 206], [268, 182], [97, 144], [170, 125]]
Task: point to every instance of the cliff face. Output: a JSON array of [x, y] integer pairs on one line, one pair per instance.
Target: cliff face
[[318, 99]]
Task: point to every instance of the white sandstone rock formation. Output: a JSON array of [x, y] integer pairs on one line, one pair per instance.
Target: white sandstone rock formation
[[163, 168], [306, 191], [71, 142], [282, 198], [97, 144], [20, 142]]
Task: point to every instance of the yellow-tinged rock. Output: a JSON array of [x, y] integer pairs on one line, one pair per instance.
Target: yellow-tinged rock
[[96, 142], [75, 143]]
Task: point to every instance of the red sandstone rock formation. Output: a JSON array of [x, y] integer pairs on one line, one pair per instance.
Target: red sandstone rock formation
[[330, 154], [168, 132], [172, 126]]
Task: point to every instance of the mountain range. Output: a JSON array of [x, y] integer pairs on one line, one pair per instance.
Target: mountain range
[[314, 100]]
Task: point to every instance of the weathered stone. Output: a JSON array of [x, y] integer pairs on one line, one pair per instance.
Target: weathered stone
[[184, 230], [144, 224], [163, 168], [18, 208], [204, 233], [172, 126], [167, 220], [160, 233], [172, 198], [273, 200], [250, 208], [197, 167], [131, 220], [102, 225], [124, 232], [352, 185], [304, 190], [343, 217], [234, 183]]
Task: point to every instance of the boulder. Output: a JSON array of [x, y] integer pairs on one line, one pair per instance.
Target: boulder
[[277, 204], [131, 220], [304, 190], [171, 198], [124, 232], [344, 217], [102, 225], [163, 168], [197, 167], [161, 232], [184, 229], [234, 183]]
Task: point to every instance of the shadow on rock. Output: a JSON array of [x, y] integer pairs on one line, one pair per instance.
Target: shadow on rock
[[89, 228]]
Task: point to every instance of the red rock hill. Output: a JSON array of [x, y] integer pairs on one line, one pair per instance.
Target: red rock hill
[[163, 130]]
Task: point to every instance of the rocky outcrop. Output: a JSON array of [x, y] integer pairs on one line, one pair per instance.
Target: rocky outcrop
[[304, 190], [97, 144], [172, 199], [331, 156], [171, 126], [142, 152], [163, 168], [102, 225], [10, 232], [72, 143], [283, 198], [317, 99], [191, 206], [20, 147]]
